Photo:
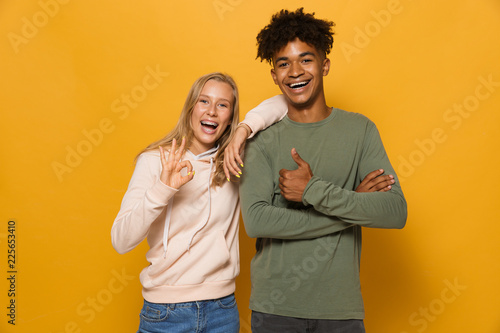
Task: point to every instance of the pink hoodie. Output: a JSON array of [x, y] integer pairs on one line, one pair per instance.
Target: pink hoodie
[[192, 232]]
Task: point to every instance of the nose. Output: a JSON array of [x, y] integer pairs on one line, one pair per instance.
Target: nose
[[212, 110], [296, 69]]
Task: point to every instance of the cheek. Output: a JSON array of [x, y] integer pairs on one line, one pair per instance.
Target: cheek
[[227, 117]]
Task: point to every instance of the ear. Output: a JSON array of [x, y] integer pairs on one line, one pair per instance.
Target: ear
[[326, 66], [273, 75]]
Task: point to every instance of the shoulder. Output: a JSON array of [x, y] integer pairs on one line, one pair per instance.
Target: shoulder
[[354, 120], [268, 135], [353, 117], [149, 160], [149, 156]]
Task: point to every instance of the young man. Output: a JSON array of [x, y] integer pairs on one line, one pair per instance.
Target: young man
[[298, 193]]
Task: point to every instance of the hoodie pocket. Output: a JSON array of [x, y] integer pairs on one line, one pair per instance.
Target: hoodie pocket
[[217, 259], [207, 260]]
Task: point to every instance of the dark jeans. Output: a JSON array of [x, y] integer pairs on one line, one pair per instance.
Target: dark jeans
[[268, 323]]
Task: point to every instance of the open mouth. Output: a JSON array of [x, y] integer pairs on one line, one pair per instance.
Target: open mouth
[[209, 126], [298, 85]]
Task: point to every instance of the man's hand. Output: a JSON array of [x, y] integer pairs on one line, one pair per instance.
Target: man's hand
[[294, 182], [232, 158], [375, 182]]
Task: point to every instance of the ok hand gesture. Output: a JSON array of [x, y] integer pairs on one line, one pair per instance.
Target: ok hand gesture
[[171, 168]]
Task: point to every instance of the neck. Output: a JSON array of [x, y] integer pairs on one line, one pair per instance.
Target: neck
[[198, 149], [309, 113]]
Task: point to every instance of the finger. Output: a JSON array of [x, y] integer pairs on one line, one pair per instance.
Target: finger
[[180, 152], [371, 180], [187, 178], [162, 153], [385, 189], [372, 175], [226, 170], [384, 184], [233, 164], [190, 171], [283, 172], [238, 159], [230, 162], [172, 150], [296, 157], [162, 157]]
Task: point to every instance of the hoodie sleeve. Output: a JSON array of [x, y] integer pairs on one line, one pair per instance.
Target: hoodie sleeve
[[145, 199], [265, 114]]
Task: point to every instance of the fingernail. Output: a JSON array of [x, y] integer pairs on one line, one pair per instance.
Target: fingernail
[[242, 165], [227, 179], [189, 173], [237, 176], [240, 172]]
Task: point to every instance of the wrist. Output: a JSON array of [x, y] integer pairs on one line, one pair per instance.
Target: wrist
[[246, 128]]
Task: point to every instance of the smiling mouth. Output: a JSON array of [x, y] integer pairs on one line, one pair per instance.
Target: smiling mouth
[[209, 126], [298, 85]]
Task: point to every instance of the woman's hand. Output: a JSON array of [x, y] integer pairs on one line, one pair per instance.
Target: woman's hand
[[171, 168], [232, 158]]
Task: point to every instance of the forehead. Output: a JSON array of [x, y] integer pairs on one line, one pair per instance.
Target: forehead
[[217, 90], [296, 48]]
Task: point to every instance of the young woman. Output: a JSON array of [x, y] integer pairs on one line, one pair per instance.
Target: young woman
[[179, 199]]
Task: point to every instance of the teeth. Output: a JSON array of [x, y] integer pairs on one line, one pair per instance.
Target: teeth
[[209, 123], [298, 84]]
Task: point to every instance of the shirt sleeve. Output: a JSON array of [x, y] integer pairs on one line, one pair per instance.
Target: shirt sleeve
[[265, 114], [264, 219], [145, 199], [374, 209]]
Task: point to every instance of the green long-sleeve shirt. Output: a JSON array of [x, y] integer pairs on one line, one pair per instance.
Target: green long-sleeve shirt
[[308, 254]]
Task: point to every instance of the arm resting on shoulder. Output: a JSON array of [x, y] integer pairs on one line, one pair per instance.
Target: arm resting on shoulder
[[265, 114]]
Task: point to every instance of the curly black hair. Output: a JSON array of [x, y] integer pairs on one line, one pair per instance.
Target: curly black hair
[[285, 26]]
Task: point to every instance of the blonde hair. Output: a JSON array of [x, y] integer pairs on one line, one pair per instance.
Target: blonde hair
[[184, 127]]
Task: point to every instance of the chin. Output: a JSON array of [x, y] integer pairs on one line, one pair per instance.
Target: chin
[[299, 102]]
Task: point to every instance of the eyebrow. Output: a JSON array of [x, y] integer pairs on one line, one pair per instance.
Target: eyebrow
[[302, 55], [208, 97]]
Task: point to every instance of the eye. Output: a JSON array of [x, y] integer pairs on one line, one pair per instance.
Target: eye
[[204, 101], [306, 60], [223, 105]]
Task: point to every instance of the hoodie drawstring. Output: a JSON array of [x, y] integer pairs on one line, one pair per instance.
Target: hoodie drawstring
[[171, 201], [166, 227], [209, 205]]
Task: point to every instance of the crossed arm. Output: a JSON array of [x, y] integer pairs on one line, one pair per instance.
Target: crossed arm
[[293, 182]]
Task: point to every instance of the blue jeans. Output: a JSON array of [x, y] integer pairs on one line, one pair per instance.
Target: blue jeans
[[211, 316], [268, 323]]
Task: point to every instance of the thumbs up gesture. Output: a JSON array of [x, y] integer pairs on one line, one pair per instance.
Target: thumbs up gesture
[[294, 182]]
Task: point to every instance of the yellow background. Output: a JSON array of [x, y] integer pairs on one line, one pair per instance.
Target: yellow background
[[417, 68]]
